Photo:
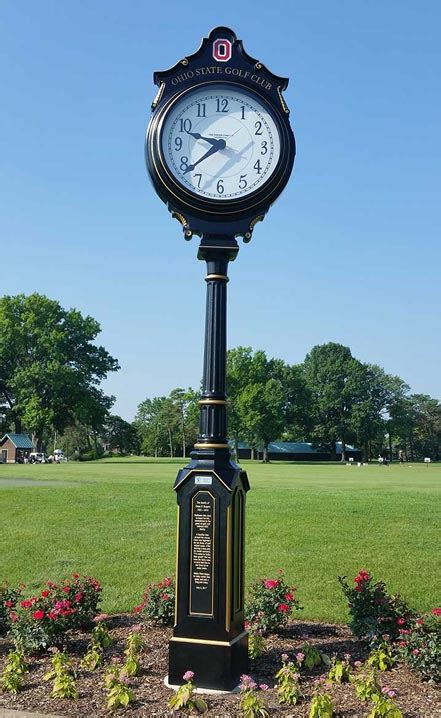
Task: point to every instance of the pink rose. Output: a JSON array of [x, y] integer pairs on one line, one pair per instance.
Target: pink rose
[[271, 583]]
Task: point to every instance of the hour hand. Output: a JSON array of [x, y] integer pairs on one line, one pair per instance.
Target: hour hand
[[220, 145], [197, 136]]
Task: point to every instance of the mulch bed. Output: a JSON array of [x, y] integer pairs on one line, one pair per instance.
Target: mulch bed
[[415, 698]]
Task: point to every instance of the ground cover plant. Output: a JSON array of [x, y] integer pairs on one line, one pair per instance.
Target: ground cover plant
[[94, 693], [317, 521]]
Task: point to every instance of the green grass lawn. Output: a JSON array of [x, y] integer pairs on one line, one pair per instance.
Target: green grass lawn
[[116, 520]]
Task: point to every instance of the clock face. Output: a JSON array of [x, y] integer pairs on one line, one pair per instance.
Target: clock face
[[220, 142]]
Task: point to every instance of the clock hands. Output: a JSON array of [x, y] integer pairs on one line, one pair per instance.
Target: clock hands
[[197, 136], [220, 145]]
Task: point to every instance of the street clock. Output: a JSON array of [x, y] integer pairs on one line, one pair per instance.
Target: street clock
[[219, 146]]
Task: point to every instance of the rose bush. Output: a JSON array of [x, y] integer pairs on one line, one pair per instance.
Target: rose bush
[[374, 613], [270, 604], [420, 646], [8, 598], [158, 604], [42, 620]]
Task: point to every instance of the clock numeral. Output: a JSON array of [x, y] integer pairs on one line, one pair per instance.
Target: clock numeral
[[185, 125], [199, 180], [178, 143], [220, 187], [242, 182], [222, 105], [243, 112], [257, 167], [201, 110], [184, 163], [264, 146], [258, 126]]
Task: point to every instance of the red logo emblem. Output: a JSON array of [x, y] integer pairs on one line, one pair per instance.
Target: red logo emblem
[[222, 50]]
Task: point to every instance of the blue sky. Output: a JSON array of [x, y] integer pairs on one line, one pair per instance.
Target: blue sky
[[349, 253]]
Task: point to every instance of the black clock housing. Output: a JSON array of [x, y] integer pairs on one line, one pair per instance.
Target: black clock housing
[[220, 61]]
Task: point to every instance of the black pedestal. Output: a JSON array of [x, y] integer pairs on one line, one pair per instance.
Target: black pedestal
[[209, 637]]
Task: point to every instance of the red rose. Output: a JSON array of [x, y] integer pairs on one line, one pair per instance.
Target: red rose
[[45, 594], [271, 583], [53, 615], [165, 597], [9, 604], [283, 608], [436, 611], [66, 589], [167, 581], [401, 621], [289, 597], [38, 615], [26, 604], [358, 588], [138, 609], [13, 617], [78, 597]]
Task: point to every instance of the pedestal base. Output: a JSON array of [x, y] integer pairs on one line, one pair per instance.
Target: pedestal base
[[216, 665]]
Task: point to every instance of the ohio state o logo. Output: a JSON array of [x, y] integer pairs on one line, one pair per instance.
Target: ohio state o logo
[[222, 50]]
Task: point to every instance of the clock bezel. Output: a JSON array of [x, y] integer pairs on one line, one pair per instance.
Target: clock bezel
[[180, 198]]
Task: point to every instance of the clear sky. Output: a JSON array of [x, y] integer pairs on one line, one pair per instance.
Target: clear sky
[[349, 253]]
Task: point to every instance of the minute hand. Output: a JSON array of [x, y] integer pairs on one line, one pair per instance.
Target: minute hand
[[220, 145]]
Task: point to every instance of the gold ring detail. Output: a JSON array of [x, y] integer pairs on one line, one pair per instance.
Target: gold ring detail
[[221, 402], [209, 277], [211, 446]]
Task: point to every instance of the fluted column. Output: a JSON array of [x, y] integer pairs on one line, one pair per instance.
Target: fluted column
[[217, 252]]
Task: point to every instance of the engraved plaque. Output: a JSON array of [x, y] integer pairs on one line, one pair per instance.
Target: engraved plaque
[[202, 554]]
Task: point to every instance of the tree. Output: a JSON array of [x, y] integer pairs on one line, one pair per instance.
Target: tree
[[119, 435], [258, 393], [168, 424], [50, 368], [328, 369]]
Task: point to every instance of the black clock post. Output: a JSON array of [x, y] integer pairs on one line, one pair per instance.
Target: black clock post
[[218, 192]]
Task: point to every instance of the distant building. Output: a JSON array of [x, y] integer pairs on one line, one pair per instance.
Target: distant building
[[14, 448], [299, 451]]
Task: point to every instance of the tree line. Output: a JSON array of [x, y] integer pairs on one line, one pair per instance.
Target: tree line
[[51, 368]]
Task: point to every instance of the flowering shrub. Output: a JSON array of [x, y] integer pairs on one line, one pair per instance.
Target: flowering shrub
[[252, 704], [367, 686], [340, 671], [270, 604], [119, 694], [41, 621], [384, 707], [184, 698], [13, 672], [309, 656], [158, 602], [256, 645], [8, 598], [321, 706], [374, 613], [420, 646], [381, 657], [63, 677], [287, 687]]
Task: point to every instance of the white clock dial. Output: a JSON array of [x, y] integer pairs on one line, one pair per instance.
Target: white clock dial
[[220, 143]]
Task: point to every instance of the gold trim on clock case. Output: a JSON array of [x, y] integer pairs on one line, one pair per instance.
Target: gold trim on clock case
[[158, 95]]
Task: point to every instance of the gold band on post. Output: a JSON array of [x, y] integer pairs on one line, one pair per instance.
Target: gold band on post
[[209, 277], [181, 639], [211, 446], [221, 402]]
